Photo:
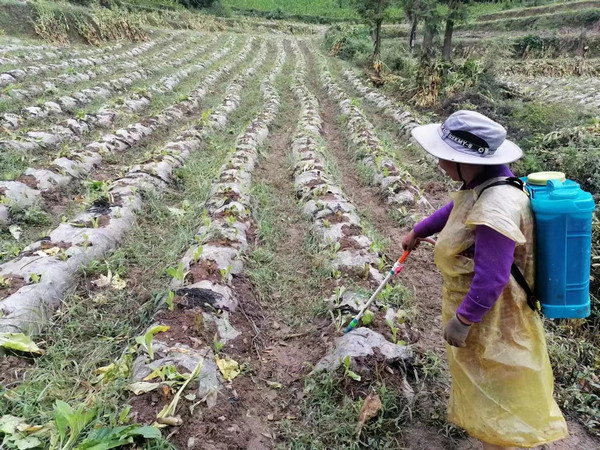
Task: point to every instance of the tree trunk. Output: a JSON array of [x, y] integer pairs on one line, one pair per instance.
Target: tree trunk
[[427, 41], [447, 52], [413, 33], [377, 40]]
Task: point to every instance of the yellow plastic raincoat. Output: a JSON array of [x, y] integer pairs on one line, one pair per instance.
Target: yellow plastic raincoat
[[502, 380]]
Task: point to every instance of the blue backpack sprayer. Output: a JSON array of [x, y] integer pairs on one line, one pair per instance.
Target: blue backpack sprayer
[[563, 216]]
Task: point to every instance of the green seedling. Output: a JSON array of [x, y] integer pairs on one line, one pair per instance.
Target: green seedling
[[169, 300], [177, 272], [5, 282], [168, 373], [35, 278], [198, 253], [95, 222], [367, 318], [86, 241], [393, 329], [225, 273], [230, 220], [71, 422], [217, 344], [62, 255], [205, 117], [335, 273], [145, 340], [349, 373]]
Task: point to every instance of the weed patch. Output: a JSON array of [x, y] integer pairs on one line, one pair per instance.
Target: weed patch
[[334, 416]]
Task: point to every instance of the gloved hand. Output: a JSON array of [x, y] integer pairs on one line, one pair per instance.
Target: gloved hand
[[410, 241], [455, 332]]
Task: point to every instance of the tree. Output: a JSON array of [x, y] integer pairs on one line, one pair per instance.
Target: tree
[[426, 11], [457, 11], [412, 10], [374, 12], [432, 18]]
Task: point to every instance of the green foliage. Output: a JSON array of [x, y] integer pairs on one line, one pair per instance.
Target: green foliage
[[349, 43], [537, 118], [177, 272], [331, 417], [70, 422], [50, 23], [576, 18], [107, 438], [198, 3], [320, 11]]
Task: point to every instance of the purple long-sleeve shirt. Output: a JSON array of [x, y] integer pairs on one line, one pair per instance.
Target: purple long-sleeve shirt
[[493, 254]]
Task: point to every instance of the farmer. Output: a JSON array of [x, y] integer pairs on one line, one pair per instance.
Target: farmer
[[501, 375]]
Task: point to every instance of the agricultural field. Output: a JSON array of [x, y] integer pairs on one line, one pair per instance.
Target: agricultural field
[[192, 209]]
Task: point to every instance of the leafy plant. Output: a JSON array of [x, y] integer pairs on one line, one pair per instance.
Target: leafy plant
[[225, 273], [169, 300], [107, 438], [20, 342], [197, 253], [177, 272], [5, 282], [217, 344], [35, 277], [145, 340], [71, 422], [86, 241], [349, 373], [367, 318]]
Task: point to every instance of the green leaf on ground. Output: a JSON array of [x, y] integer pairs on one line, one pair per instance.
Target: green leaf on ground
[[146, 339], [107, 438], [20, 342]]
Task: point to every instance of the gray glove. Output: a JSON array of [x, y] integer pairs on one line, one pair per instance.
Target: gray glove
[[455, 332]]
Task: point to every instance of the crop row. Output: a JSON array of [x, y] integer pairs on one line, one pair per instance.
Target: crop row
[[83, 97], [74, 127], [49, 85], [337, 221], [205, 270], [98, 62], [40, 276], [576, 90], [402, 117], [43, 52], [28, 191], [334, 217], [395, 183]]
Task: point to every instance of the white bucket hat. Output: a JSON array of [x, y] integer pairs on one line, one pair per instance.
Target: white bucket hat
[[468, 137]]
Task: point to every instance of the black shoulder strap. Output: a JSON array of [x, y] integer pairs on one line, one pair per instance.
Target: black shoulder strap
[[511, 181], [532, 300]]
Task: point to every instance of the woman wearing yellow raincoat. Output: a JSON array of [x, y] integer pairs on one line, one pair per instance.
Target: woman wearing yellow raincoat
[[502, 381]]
